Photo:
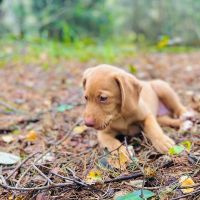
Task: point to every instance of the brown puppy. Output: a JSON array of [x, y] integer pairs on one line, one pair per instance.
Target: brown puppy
[[116, 101]]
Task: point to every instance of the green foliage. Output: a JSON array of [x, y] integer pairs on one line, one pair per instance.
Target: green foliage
[[47, 53], [161, 23], [187, 144], [64, 20], [177, 149], [64, 107], [178, 20], [137, 195]]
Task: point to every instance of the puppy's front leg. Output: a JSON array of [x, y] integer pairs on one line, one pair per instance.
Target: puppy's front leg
[[108, 140], [154, 132]]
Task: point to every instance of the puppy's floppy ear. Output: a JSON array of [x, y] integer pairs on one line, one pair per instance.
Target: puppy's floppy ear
[[130, 89], [86, 73]]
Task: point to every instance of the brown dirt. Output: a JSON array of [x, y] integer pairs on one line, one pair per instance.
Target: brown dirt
[[29, 92]]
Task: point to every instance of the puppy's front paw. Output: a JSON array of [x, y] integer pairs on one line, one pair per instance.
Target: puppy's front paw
[[163, 144]]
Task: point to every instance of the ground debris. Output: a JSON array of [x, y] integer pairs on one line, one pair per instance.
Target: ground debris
[[43, 113]]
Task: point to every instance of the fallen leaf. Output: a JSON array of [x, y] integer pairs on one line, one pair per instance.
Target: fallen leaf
[[79, 129], [16, 132], [186, 181], [93, 176], [177, 149], [136, 195], [20, 197], [8, 158], [10, 197], [119, 194], [64, 107], [123, 158], [31, 136], [118, 161], [7, 138], [187, 144]]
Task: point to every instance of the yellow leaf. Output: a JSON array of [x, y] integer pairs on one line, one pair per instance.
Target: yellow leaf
[[10, 197], [119, 160], [123, 158], [187, 144], [186, 181], [20, 198], [31, 136], [93, 176], [79, 129]]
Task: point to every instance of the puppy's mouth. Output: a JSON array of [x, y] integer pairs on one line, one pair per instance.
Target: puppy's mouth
[[103, 126]]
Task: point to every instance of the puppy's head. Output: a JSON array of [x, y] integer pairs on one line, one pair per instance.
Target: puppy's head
[[109, 93]]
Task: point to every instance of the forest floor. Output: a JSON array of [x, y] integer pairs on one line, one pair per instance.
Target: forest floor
[[41, 122]]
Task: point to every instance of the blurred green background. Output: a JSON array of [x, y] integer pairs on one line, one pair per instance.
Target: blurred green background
[[105, 30]]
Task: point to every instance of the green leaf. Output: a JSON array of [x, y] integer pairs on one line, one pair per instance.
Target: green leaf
[[8, 159], [64, 107], [187, 144], [136, 195], [16, 132], [177, 149], [133, 69]]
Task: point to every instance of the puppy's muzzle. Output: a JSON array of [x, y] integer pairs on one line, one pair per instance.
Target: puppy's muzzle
[[90, 122]]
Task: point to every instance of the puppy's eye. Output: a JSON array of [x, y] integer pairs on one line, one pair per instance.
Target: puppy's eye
[[86, 98], [103, 99]]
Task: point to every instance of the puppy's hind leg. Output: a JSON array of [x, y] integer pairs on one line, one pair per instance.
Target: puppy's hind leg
[[169, 97], [166, 120]]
